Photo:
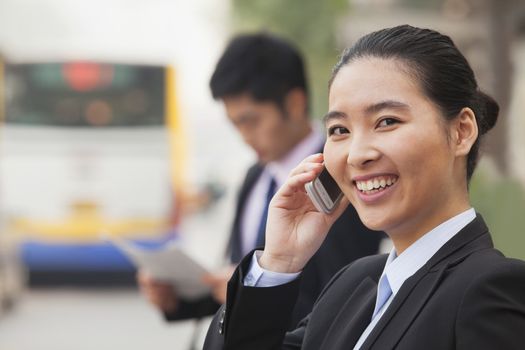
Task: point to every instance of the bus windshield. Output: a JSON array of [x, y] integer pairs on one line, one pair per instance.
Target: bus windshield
[[85, 94]]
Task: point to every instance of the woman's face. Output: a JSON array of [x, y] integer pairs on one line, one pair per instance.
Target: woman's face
[[387, 148]]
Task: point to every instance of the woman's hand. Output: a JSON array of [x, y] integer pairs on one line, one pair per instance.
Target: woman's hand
[[295, 229]]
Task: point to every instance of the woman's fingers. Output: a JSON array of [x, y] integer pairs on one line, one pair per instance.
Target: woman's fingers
[[309, 163], [305, 172]]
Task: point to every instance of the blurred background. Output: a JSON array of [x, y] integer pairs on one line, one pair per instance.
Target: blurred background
[[108, 128]]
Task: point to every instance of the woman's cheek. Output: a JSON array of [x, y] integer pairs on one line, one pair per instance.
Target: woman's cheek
[[335, 162], [329, 158]]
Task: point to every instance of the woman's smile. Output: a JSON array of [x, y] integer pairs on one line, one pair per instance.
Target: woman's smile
[[373, 188]]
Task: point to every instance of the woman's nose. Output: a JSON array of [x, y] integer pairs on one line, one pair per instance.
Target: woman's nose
[[361, 152]]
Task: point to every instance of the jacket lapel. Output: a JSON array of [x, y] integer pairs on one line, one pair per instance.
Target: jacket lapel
[[424, 282], [349, 323], [235, 245]]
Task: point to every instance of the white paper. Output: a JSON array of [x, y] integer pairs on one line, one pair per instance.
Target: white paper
[[170, 264]]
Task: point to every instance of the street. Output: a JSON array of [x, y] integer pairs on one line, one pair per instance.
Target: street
[[67, 319]]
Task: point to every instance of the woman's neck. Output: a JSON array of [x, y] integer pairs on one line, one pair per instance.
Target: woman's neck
[[422, 223]]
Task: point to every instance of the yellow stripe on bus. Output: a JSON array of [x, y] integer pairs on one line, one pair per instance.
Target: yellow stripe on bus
[[86, 223], [83, 230], [177, 136]]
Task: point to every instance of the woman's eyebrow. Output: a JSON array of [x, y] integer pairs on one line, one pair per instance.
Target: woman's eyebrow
[[387, 104], [371, 109], [333, 115]]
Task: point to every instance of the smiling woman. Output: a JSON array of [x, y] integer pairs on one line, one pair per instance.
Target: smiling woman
[[404, 125], [389, 130]]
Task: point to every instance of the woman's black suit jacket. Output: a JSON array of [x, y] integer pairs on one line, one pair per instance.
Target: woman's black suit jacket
[[467, 296]]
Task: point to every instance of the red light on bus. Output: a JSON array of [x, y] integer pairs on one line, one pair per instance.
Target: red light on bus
[[86, 76]]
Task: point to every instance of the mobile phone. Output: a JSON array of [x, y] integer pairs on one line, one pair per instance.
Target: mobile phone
[[324, 192]]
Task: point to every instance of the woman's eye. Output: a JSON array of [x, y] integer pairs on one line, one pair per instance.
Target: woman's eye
[[387, 122], [337, 130]]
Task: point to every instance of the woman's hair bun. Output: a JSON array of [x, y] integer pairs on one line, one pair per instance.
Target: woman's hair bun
[[489, 109]]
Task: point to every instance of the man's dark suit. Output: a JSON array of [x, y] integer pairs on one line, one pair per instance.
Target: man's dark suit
[[467, 296], [347, 241]]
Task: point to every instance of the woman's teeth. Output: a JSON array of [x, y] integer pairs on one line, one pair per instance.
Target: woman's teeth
[[375, 184]]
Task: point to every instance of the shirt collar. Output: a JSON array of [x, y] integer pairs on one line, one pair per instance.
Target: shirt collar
[[399, 268], [280, 169]]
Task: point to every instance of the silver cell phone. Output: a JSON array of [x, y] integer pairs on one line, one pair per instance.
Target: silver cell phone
[[324, 192]]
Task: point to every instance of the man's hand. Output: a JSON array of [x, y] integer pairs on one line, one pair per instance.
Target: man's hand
[[160, 294], [218, 282]]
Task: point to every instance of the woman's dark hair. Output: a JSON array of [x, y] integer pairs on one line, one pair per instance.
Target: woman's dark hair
[[262, 65], [437, 64]]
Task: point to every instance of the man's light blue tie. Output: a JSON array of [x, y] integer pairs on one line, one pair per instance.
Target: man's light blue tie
[[261, 233], [383, 293]]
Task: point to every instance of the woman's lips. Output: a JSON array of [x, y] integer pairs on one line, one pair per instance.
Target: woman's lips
[[373, 188]]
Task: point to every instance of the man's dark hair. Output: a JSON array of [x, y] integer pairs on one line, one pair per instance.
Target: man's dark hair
[[262, 65], [437, 65]]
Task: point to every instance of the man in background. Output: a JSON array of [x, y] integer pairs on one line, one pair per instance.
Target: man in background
[[261, 81]]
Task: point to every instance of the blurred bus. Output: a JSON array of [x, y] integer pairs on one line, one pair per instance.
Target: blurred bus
[[88, 148]]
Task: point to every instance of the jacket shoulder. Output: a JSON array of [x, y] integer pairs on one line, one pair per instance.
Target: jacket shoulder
[[492, 308]]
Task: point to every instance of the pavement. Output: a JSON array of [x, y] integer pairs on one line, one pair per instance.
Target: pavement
[[72, 319]]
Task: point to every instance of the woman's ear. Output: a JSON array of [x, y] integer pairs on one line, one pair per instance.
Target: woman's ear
[[465, 131]]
